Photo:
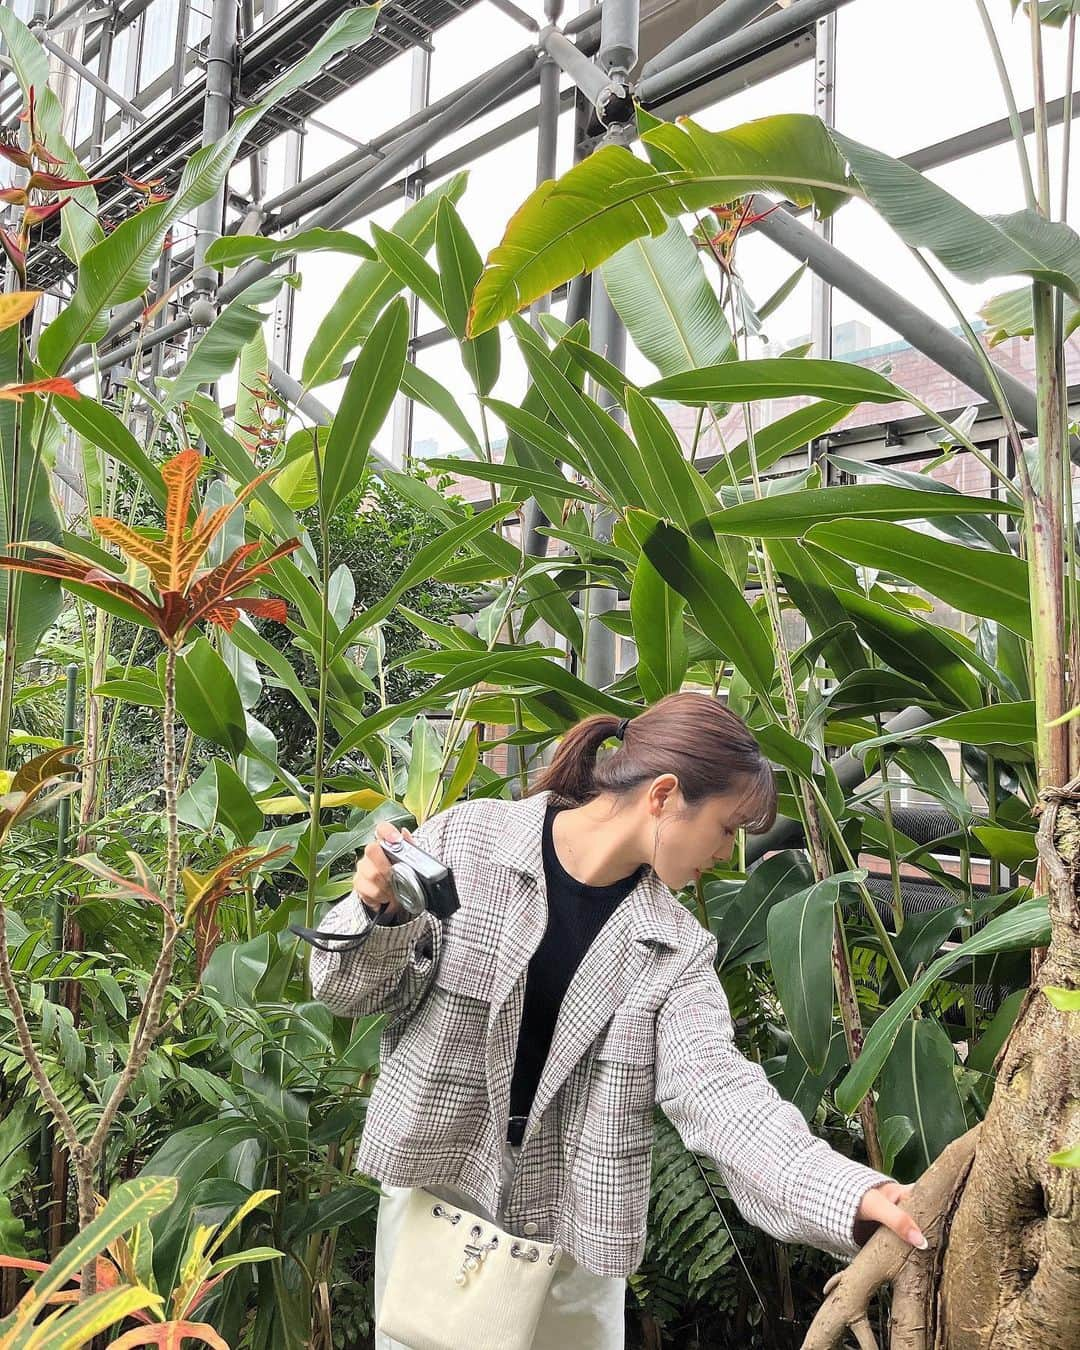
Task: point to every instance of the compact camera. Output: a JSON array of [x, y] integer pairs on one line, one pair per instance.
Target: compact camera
[[419, 881]]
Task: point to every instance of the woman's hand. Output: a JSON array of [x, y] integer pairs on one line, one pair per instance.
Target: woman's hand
[[882, 1205], [371, 880]]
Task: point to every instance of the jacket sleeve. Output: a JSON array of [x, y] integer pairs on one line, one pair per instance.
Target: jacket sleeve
[[782, 1177], [391, 972]]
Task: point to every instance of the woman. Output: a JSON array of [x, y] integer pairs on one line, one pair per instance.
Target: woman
[[529, 1037]]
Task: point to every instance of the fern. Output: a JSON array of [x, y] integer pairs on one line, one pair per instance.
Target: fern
[[689, 1238]]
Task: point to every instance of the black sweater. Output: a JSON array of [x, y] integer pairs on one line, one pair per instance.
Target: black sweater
[[576, 913]]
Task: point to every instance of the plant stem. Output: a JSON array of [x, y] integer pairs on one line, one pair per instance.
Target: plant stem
[[1010, 102], [315, 803]]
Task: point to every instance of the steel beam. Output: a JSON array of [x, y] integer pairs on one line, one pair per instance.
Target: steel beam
[[924, 333], [345, 207], [85, 73], [217, 117], [727, 18], [668, 80], [619, 29]]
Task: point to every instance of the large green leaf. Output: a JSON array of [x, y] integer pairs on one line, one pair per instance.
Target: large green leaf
[[423, 388], [525, 482], [656, 612], [519, 669], [572, 224], [104, 430], [973, 247], [1011, 314], [218, 797], [913, 647], [350, 318], [740, 926], [715, 601], [661, 292], [679, 490], [118, 268], [1028, 925], [207, 698], [790, 515], [777, 377], [233, 249], [368, 397], [425, 562], [918, 1082], [217, 351], [614, 460], [999, 724], [460, 266], [813, 590], [974, 580], [551, 603], [39, 599], [800, 937], [425, 764]]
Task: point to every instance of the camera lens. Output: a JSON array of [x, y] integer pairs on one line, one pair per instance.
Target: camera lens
[[407, 889]]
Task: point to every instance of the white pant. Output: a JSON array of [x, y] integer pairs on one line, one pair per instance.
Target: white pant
[[583, 1311]]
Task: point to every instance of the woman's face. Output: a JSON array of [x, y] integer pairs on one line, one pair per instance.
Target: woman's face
[[691, 839]]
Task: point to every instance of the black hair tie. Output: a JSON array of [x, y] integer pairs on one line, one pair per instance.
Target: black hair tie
[[620, 730]]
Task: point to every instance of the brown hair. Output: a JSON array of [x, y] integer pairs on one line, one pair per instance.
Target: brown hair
[[692, 735]]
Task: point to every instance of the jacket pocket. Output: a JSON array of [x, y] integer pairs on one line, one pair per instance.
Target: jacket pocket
[[620, 1116], [447, 1039], [465, 969]]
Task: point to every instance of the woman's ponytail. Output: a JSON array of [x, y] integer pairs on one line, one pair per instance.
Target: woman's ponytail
[[571, 773], [690, 734]]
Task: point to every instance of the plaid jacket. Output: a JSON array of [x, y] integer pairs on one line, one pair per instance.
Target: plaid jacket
[[644, 1022]]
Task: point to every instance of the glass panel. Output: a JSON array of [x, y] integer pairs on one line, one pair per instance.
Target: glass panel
[[158, 40]]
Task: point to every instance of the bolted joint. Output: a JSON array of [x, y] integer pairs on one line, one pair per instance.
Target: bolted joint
[[201, 310], [615, 104]]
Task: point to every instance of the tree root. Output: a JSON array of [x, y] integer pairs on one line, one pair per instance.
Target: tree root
[[888, 1259]]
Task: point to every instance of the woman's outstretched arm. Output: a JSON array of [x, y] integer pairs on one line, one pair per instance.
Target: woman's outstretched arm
[[782, 1177]]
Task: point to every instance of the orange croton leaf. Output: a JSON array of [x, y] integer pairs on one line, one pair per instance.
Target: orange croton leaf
[[204, 892], [172, 560], [170, 1336], [23, 796], [56, 384], [16, 305], [108, 1277], [141, 887]]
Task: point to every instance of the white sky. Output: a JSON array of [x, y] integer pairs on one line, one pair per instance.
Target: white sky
[[908, 75]]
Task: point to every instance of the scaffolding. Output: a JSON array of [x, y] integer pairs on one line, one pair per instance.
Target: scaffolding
[[143, 121]]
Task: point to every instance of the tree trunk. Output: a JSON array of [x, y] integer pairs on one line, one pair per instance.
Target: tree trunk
[[1011, 1272]]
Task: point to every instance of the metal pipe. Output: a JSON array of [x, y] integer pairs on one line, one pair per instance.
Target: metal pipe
[[850, 771], [217, 115], [609, 339], [588, 76], [255, 174], [85, 73], [345, 207], [68, 12], [924, 333], [307, 196], [619, 28], [727, 18], [518, 15], [730, 51]]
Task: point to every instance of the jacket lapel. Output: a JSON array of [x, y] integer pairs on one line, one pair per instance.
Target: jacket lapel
[[607, 972]]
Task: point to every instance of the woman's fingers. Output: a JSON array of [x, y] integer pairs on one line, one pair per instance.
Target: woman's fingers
[[371, 880], [882, 1205]]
